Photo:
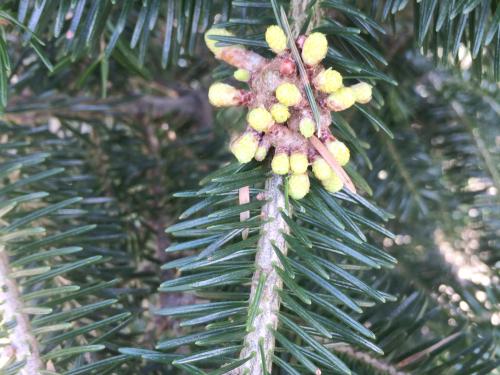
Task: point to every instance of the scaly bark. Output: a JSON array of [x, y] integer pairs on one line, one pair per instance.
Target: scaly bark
[[269, 303], [21, 342]]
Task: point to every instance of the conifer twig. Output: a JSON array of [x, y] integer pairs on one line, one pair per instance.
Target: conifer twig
[[266, 319], [22, 344], [259, 343], [377, 363]]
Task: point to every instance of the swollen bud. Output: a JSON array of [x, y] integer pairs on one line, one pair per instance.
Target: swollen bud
[[328, 81], [333, 183], [223, 95], [211, 43], [362, 92], [321, 169], [259, 119], [288, 94], [280, 113], [298, 186], [280, 163], [261, 152], [307, 127], [339, 151], [244, 147], [298, 162], [242, 75], [314, 49], [341, 99], [276, 39]]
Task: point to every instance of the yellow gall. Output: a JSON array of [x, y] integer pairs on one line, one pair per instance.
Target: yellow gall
[[298, 162], [314, 49], [276, 39], [328, 81], [211, 43], [242, 75], [280, 163], [280, 113], [339, 151], [288, 94], [362, 92], [261, 153], [341, 99], [298, 186], [307, 127], [321, 169], [223, 95], [244, 147], [259, 119], [333, 183]]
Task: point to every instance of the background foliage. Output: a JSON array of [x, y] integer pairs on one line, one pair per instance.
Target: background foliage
[[105, 117]]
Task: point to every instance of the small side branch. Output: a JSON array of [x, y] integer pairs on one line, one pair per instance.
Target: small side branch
[[189, 103], [376, 363], [22, 344], [266, 318]]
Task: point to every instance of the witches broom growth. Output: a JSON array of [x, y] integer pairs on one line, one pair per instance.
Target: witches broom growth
[[279, 115]]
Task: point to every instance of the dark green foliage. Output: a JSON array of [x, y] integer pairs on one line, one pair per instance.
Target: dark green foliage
[[441, 27], [53, 247], [87, 189], [318, 283]]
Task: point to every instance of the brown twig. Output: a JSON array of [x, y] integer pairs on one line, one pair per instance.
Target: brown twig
[[419, 355], [189, 103], [376, 363]]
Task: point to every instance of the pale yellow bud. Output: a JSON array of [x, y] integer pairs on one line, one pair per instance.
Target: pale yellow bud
[[259, 119], [341, 99], [244, 148], [307, 127], [223, 95], [288, 94], [280, 163], [261, 153], [362, 92], [333, 183], [280, 113], [211, 43], [298, 186], [315, 49], [328, 81], [242, 75], [298, 162], [276, 39], [321, 169], [339, 151]]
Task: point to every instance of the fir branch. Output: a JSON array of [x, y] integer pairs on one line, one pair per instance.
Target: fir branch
[[481, 146], [427, 351], [260, 342], [403, 171], [266, 258], [298, 14], [367, 359], [22, 343], [190, 103]]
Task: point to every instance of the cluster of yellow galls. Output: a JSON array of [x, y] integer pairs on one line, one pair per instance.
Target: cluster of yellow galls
[[329, 81]]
